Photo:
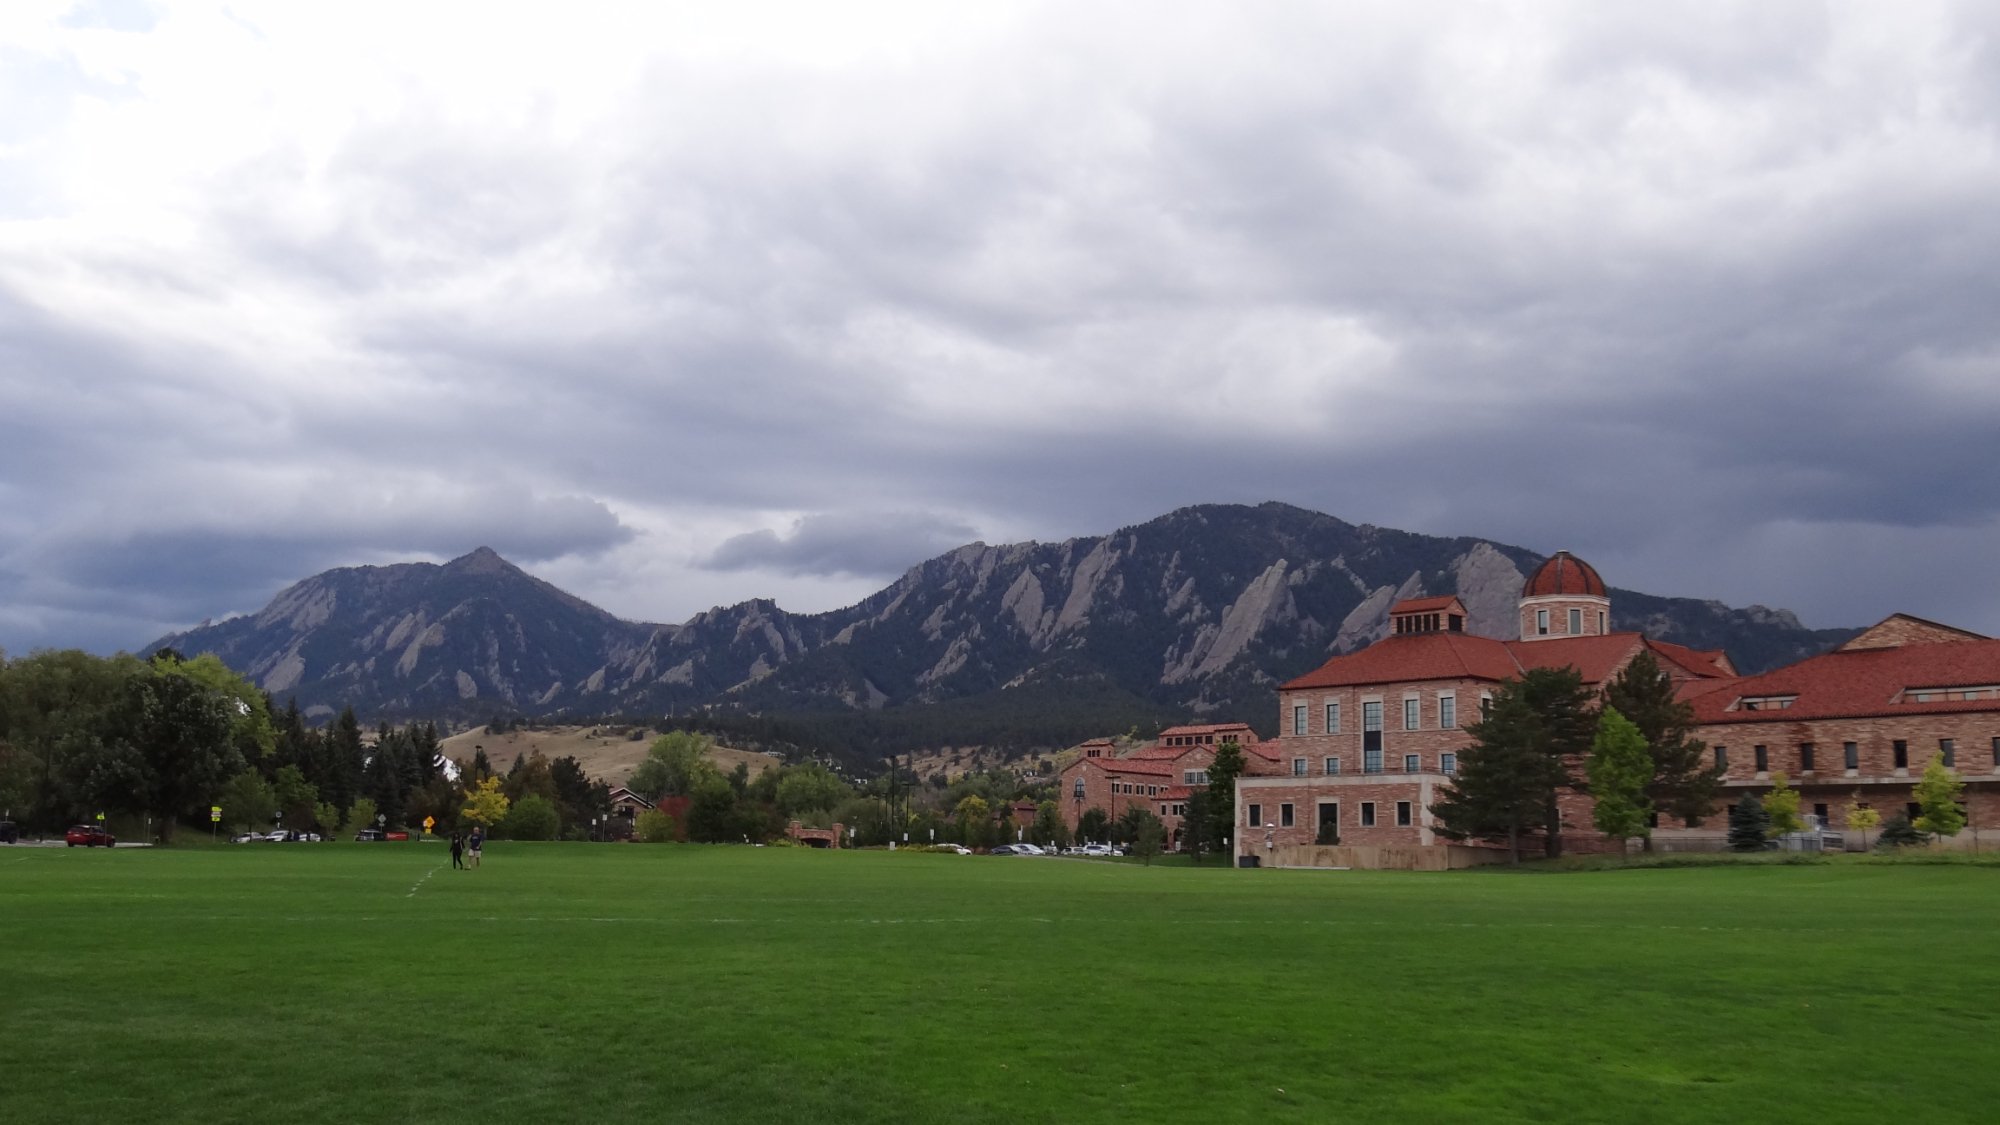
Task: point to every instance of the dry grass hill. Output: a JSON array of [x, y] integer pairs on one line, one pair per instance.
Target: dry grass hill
[[608, 753]]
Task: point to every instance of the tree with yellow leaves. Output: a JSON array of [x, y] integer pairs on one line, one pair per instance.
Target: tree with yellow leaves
[[486, 805]]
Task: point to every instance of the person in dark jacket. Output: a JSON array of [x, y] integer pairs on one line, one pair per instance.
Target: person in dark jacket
[[457, 851]]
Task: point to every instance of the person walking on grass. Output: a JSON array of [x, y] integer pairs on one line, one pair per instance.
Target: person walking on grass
[[457, 852], [477, 842]]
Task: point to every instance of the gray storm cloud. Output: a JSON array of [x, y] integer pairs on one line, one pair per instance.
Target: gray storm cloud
[[1704, 292]]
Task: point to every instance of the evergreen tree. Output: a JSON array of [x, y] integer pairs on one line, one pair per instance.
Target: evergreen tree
[[345, 758], [1898, 832], [382, 778], [1619, 770], [1094, 826], [1510, 774], [1684, 783], [1937, 797], [1223, 771], [1195, 823], [1747, 824]]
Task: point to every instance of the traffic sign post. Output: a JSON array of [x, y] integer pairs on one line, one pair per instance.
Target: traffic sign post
[[428, 822]]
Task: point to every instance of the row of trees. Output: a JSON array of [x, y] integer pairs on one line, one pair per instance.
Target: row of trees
[[168, 738], [1754, 821], [1545, 734]]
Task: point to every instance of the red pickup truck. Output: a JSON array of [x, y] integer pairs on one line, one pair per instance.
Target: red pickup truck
[[89, 836]]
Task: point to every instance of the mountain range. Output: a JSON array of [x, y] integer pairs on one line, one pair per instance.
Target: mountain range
[[1198, 613]]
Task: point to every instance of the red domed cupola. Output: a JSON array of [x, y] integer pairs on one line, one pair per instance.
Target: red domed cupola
[[1564, 573], [1564, 598]]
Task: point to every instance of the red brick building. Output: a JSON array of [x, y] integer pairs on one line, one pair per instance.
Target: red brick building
[[1159, 777], [1859, 724], [1368, 740]]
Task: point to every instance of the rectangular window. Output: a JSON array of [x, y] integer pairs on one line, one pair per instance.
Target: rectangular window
[[1298, 767], [1332, 767], [1299, 718], [1575, 622], [1079, 789], [1542, 622], [1285, 815], [1447, 712], [1819, 814], [1195, 777], [1805, 757], [1256, 815], [1371, 736], [1333, 718], [1901, 750], [1722, 757], [1448, 764], [1600, 622], [1412, 711], [1851, 754], [1485, 706], [1329, 815], [1403, 814], [1367, 814], [1996, 753], [1948, 750], [1412, 763], [1763, 758]]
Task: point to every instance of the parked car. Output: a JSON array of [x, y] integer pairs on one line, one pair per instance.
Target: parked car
[[247, 838], [89, 836], [1005, 849], [961, 849], [1096, 850], [369, 835], [1028, 849], [277, 837]]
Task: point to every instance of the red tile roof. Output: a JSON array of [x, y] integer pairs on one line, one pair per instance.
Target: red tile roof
[[1414, 657], [1129, 765], [1563, 574], [1404, 657], [1863, 683], [1598, 657]]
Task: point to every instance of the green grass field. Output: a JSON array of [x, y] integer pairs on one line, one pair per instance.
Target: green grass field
[[346, 983]]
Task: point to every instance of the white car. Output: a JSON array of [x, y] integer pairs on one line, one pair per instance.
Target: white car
[[961, 849], [1098, 850], [1028, 849]]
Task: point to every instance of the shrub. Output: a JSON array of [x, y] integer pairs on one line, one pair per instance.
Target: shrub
[[654, 827], [532, 818], [1898, 832]]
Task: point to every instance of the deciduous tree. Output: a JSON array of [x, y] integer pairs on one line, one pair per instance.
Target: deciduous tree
[[1619, 769], [1861, 818], [486, 804], [1781, 806], [1094, 826], [533, 817], [1937, 799]]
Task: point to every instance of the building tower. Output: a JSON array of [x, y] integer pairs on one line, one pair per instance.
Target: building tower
[[1564, 598]]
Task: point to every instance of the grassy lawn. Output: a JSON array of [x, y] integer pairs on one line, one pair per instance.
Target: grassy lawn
[[350, 983]]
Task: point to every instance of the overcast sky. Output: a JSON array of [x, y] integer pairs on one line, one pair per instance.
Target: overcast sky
[[679, 305]]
